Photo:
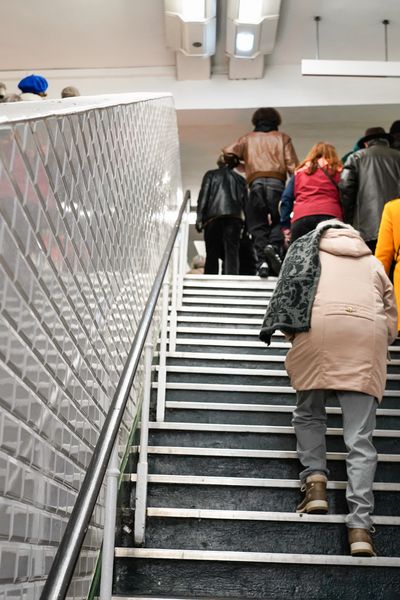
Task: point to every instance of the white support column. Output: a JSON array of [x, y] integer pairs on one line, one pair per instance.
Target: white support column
[[142, 469], [110, 509], [162, 371]]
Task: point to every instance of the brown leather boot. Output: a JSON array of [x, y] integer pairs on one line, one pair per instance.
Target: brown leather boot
[[360, 542], [314, 501]]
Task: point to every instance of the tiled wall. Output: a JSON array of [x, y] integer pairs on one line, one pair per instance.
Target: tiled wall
[[87, 201]]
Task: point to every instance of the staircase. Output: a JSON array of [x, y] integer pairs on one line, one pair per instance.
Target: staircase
[[223, 471]]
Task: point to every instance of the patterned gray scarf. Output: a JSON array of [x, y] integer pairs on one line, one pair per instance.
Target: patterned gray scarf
[[291, 303]]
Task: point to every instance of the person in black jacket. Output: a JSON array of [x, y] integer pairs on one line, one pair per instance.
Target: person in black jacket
[[220, 213], [369, 179]]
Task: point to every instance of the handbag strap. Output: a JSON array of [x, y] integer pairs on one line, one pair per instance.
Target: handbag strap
[[329, 176]]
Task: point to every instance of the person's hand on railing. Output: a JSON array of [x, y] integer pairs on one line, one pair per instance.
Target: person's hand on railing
[[199, 226]]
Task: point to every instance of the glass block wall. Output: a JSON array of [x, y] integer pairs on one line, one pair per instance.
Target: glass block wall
[[88, 198]]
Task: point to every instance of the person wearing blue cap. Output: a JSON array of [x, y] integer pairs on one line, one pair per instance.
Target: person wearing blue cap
[[33, 87]]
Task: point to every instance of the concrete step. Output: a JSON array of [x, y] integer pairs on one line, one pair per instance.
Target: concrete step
[[321, 537], [249, 397], [228, 494], [254, 575], [234, 360], [253, 437], [244, 388], [208, 412], [267, 466]]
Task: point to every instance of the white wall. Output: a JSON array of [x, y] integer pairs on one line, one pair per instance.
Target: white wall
[[66, 34]]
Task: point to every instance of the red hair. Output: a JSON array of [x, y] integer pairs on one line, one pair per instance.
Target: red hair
[[321, 150]]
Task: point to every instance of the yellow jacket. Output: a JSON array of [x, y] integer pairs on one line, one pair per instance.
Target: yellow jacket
[[388, 244]]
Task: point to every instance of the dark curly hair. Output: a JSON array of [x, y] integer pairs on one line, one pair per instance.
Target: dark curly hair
[[266, 114]]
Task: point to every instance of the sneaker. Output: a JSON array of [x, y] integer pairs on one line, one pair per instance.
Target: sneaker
[[263, 270], [273, 259], [360, 542], [314, 501]]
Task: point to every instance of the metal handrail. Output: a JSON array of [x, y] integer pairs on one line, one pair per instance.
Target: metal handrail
[[63, 566]]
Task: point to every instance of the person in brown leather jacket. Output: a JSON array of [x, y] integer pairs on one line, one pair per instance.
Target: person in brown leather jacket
[[269, 157]]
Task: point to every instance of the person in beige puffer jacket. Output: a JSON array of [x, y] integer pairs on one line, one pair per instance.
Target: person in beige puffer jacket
[[342, 358]]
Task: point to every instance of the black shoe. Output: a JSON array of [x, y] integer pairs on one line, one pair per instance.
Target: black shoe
[[273, 259], [263, 271]]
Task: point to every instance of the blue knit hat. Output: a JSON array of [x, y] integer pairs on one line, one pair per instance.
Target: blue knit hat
[[35, 84]]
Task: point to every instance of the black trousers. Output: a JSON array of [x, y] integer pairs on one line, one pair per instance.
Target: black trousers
[[305, 225], [262, 213], [222, 237]]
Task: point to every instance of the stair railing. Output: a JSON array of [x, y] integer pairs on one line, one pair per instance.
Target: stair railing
[[179, 267], [61, 571]]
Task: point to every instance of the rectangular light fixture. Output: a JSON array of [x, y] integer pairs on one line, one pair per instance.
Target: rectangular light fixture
[[351, 68], [193, 10], [244, 43]]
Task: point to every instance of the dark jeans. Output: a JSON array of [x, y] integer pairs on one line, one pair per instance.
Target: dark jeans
[[262, 214], [305, 225], [222, 238]]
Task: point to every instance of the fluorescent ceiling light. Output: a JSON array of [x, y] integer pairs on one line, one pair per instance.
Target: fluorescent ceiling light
[[193, 10], [250, 11], [351, 68], [244, 42]]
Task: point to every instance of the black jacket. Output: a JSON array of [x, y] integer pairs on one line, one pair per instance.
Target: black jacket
[[223, 193], [370, 178]]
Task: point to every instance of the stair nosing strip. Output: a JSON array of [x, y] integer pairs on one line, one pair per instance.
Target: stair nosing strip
[[238, 356], [219, 301], [228, 342], [233, 428], [247, 453], [225, 387], [216, 292], [222, 320], [246, 343], [249, 482], [239, 372], [227, 310], [226, 371], [256, 515], [278, 408], [254, 331], [261, 557], [224, 278], [227, 356]]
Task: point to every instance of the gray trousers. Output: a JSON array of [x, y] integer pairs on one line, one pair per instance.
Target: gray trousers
[[359, 417]]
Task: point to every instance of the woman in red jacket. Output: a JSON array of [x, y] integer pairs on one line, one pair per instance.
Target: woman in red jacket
[[312, 194]]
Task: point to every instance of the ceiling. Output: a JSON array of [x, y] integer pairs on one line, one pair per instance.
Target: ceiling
[[60, 34]]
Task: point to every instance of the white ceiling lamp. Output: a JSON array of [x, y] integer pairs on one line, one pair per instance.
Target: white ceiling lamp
[[250, 34], [190, 27], [351, 68]]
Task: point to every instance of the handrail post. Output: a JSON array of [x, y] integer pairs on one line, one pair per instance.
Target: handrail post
[[173, 313], [162, 369], [110, 508], [142, 468], [183, 254]]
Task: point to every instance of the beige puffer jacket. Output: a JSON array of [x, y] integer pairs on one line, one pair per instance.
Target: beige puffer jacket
[[354, 318]]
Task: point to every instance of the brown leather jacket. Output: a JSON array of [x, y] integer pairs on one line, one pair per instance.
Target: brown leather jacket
[[265, 154]]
